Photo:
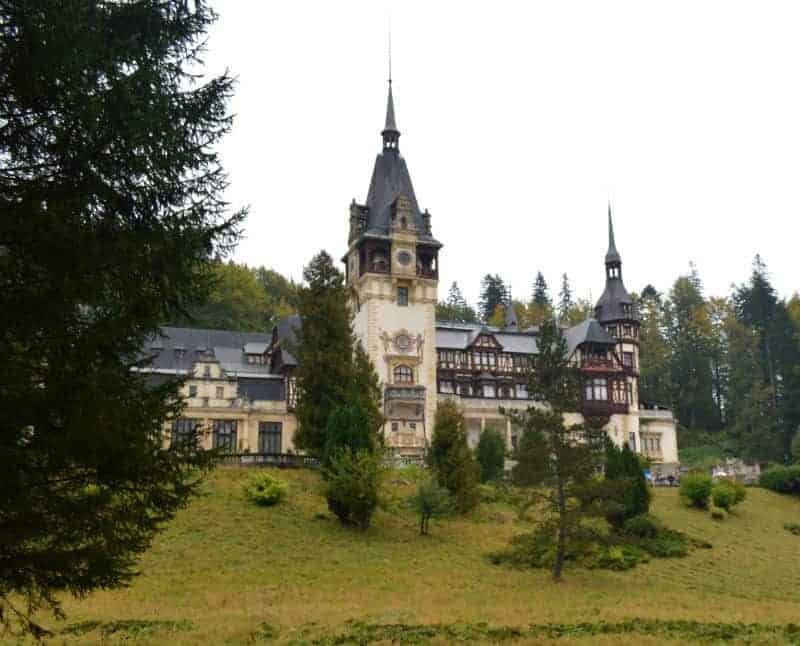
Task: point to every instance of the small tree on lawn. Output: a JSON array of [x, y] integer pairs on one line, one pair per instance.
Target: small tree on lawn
[[450, 458], [348, 426], [491, 454], [559, 458], [352, 485], [628, 488], [431, 501]]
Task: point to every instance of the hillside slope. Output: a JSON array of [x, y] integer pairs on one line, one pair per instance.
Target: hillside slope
[[226, 571]]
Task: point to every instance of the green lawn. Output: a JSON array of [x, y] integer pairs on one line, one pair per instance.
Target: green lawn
[[228, 572]]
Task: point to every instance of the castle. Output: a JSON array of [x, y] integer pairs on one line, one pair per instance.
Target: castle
[[241, 386]]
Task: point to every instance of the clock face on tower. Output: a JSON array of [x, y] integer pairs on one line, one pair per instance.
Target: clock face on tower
[[404, 258]]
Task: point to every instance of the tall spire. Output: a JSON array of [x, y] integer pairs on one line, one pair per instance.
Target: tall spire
[[390, 133], [612, 255]]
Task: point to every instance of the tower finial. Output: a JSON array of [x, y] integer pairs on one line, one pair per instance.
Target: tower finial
[[390, 133], [612, 255], [390, 50]]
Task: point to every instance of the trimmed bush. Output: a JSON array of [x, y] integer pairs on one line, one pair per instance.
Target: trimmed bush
[[719, 514], [781, 479], [265, 489], [628, 494], [727, 492], [696, 489], [451, 459], [642, 526], [491, 454], [352, 485]]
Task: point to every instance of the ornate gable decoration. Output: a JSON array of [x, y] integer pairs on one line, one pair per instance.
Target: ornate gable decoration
[[486, 341]]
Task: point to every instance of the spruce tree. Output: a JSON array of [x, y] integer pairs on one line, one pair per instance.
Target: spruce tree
[[561, 459], [493, 293], [111, 214], [324, 351], [565, 303], [450, 458]]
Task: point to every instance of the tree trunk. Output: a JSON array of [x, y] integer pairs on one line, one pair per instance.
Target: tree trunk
[[562, 513]]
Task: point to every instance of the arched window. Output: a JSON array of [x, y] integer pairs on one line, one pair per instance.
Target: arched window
[[403, 375]]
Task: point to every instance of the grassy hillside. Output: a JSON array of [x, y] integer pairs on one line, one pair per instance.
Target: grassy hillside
[[229, 572]]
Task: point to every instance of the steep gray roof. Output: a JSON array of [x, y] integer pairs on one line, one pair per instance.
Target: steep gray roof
[[177, 349], [511, 322], [390, 179], [612, 255], [287, 329], [610, 305], [589, 331], [459, 336]]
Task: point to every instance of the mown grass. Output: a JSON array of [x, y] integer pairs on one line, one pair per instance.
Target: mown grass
[[229, 572]]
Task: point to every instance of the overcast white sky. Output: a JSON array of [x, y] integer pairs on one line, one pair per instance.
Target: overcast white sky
[[520, 120]]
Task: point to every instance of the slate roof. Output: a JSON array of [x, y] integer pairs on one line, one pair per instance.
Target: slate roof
[[610, 305], [287, 337], [390, 179], [177, 349], [459, 336], [589, 331]]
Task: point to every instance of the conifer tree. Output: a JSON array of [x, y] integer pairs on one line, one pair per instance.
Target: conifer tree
[[559, 458], [111, 214], [334, 370], [541, 305], [565, 303], [455, 308], [450, 458], [324, 351], [493, 293]]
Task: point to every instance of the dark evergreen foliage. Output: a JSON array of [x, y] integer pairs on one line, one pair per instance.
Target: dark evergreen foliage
[[352, 485], [333, 369], [491, 454], [111, 213], [541, 293], [431, 501], [348, 426], [455, 308], [493, 293], [565, 302], [450, 458]]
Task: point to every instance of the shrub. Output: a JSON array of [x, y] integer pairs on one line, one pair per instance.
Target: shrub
[[265, 489], [352, 485], [781, 479], [794, 528], [796, 448], [451, 459], [696, 489], [348, 426], [719, 514], [642, 526], [491, 454], [430, 501], [628, 494], [727, 492]]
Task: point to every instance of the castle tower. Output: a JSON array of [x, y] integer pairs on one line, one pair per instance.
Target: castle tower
[[616, 312], [392, 276]]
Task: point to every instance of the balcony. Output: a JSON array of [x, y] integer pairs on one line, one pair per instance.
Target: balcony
[[600, 365], [599, 408], [404, 393], [427, 272]]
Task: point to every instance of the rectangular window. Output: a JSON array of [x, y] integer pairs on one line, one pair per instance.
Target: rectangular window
[[632, 441], [183, 432], [207, 371], [488, 390], [629, 392], [446, 387], [402, 296], [522, 391], [192, 391], [269, 437], [412, 425], [627, 359], [220, 392], [464, 390], [395, 426], [225, 435]]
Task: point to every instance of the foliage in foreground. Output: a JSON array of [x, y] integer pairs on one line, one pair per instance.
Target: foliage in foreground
[[625, 485], [265, 489], [696, 489], [781, 479], [450, 458], [491, 454], [431, 501], [348, 426], [642, 537], [111, 214], [682, 630], [352, 485], [727, 493]]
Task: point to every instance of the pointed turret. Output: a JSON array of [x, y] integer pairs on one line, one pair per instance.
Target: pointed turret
[[612, 255], [615, 304], [390, 133]]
